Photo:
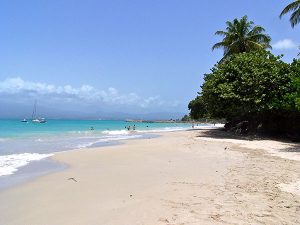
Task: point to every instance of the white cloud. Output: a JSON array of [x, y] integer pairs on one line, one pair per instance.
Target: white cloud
[[150, 100], [285, 44], [19, 87]]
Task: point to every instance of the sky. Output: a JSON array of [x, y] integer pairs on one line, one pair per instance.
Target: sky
[[93, 58]]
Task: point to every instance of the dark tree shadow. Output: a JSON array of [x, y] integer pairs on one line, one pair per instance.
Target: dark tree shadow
[[222, 134], [295, 148]]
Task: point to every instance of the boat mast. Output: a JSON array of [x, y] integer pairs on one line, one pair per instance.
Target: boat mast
[[34, 111]]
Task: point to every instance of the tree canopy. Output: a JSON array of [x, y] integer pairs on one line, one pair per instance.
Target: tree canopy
[[242, 36], [249, 85]]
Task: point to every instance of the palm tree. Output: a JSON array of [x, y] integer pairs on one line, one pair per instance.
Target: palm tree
[[242, 36], [294, 7]]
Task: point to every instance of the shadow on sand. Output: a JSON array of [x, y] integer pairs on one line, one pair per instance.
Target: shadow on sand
[[295, 148], [222, 134]]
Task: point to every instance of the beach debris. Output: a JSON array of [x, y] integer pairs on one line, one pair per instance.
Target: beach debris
[[225, 148], [165, 220], [130, 196], [216, 217], [73, 179]]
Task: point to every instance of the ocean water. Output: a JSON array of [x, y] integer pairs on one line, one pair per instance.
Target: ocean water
[[24, 143]]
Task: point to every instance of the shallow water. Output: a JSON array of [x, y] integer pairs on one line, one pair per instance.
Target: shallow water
[[29, 172], [24, 143]]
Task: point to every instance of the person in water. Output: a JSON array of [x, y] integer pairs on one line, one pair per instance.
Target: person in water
[[92, 128], [133, 127]]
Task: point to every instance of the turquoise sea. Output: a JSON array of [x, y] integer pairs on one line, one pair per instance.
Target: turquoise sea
[[12, 128], [22, 143]]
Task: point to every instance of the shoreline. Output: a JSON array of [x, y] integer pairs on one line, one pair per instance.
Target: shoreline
[[164, 180], [30, 172], [25, 173], [35, 169]]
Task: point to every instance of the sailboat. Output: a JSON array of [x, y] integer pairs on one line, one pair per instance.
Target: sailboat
[[34, 118]]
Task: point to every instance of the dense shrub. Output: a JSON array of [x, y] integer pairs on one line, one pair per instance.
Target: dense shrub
[[257, 88]]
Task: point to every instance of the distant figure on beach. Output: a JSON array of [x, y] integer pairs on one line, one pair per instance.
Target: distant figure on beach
[[193, 126]]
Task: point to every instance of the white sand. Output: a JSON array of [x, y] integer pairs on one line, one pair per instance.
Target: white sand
[[179, 178]]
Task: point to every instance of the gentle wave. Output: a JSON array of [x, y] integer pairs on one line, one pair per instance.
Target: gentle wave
[[108, 139], [9, 164], [3, 139], [166, 129], [126, 132], [116, 132]]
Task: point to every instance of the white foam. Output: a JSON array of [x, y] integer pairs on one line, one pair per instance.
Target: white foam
[[116, 132], [165, 129], [3, 139], [9, 164], [107, 139], [118, 138]]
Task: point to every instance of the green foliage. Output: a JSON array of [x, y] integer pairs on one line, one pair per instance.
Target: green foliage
[[186, 118], [250, 87], [242, 36], [292, 98], [293, 8], [197, 108], [248, 84]]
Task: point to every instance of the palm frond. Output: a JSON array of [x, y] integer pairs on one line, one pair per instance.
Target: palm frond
[[295, 18], [255, 46], [221, 33], [268, 46], [256, 30], [263, 38], [219, 45], [291, 7], [242, 35]]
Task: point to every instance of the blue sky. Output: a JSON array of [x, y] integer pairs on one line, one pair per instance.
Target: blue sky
[[136, 56]]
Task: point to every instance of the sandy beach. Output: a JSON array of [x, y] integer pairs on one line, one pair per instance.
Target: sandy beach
[[182, 178]]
